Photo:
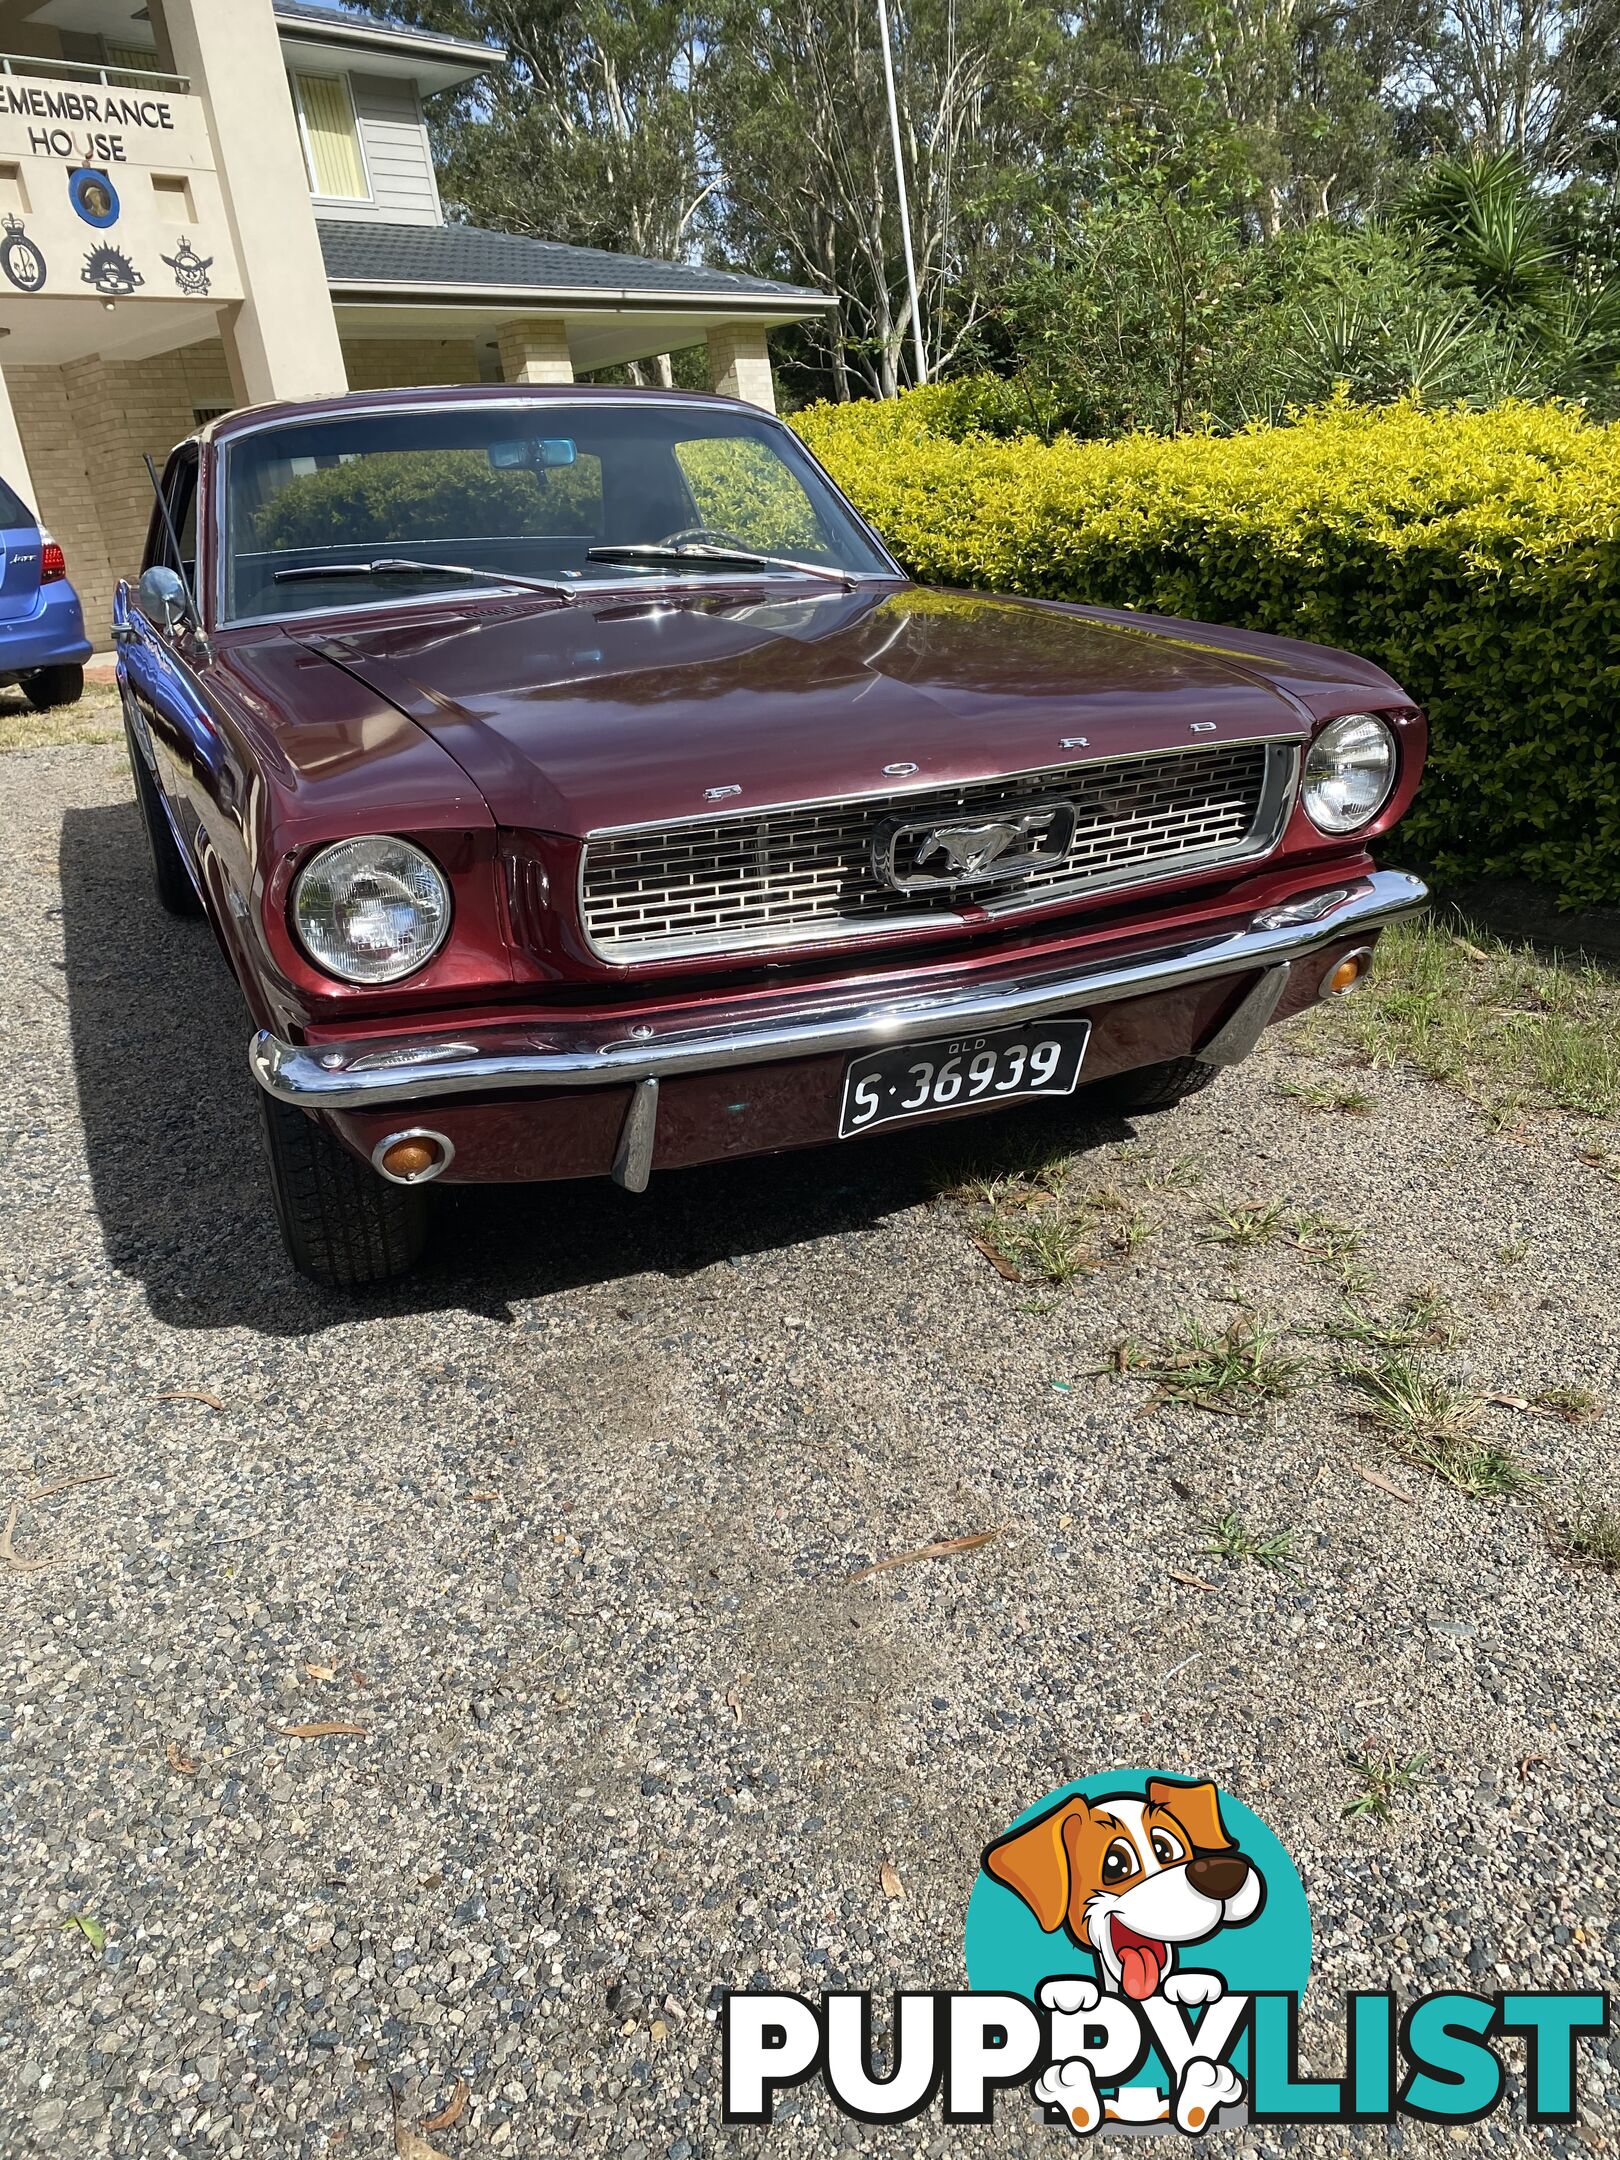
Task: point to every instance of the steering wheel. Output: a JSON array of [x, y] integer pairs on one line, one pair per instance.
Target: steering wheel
[[714, 533]]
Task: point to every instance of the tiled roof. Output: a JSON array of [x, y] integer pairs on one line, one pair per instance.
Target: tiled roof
[[445, 258], [349, 18]]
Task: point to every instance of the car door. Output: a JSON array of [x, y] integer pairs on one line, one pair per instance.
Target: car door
[[162, 669]]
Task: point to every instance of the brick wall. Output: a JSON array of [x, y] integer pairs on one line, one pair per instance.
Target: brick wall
[[62, 485], [85, 427], [403, 363]]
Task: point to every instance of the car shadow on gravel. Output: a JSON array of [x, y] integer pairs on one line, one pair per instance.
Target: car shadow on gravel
[[174, 1156]]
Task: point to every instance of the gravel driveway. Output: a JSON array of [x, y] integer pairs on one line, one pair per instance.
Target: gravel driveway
[[566, 1529]]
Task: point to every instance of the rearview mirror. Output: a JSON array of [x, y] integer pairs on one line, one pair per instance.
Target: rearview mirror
[[163, 597], [515, 455]]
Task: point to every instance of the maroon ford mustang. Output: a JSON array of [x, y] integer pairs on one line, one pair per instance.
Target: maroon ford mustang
[[578, 787]]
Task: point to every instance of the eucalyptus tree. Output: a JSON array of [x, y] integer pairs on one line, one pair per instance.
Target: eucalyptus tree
[[590, 132], [798, 121]]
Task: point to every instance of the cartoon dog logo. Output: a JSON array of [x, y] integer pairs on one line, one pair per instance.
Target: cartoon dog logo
[[1135, 1879]]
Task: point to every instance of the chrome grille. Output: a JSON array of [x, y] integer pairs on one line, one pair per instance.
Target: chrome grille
[[783, 876]]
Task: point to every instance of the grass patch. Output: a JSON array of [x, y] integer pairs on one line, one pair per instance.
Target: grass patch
[[1026, 1170], [1321, 1237], [1232, 1371], [1327, 1096], [1593, 1534], [1177, 1175], [1435, 1426], [1231, 1539], [1575, 1405], [1423, 1320], [1248, 1224], [95, 719], [1381, 1781], [1511, 1030], [1040, 1249]]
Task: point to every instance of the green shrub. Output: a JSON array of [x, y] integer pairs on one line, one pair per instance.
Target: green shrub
[[741, 487], [1476, 556], [416, 495]]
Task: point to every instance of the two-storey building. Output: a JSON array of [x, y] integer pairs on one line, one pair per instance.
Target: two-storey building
[[207, 203]]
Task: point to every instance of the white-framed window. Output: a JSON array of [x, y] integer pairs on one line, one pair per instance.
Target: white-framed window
[[334, 156]]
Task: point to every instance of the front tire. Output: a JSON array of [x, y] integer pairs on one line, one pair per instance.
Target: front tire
[[50, 686], [342, 1225], [1154, 1087]]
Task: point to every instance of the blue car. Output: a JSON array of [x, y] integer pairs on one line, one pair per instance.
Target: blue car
[[42, 642]]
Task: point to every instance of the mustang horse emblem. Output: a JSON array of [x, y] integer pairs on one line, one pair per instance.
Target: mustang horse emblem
[[971, 847], [931, 854]]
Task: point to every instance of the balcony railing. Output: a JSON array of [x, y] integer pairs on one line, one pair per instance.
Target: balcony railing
[[114, 78]]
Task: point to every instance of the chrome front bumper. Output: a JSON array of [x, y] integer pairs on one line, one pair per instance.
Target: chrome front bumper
[[594, 1052]]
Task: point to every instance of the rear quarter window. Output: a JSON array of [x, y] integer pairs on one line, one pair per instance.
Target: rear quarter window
[[13, 510]]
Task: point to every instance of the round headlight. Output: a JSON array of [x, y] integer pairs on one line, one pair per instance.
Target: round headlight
[[1349, 771], [372, 910]]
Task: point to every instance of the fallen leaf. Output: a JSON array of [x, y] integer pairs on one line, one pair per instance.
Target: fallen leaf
[[734, 1704], [937, 1551], [18, 1567], [407, 2144], [1193, 1582], [324, 1731], [89, 1477], [92, 1930], [192, 1394], [1527, 1764], [893, 1888], [1386, 1484], [1511, 1402], [451, 2113], [1473, 951], [483, 1496], [320, 1672], [998, 1260], [178, 1761]]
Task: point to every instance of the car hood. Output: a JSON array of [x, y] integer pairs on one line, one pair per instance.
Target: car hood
[[635, 708]]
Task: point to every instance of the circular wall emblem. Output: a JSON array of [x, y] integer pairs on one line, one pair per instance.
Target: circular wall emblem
[[93, 195], [20, 258]]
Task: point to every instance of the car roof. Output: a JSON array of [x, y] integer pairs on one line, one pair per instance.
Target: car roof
[[249, 418]]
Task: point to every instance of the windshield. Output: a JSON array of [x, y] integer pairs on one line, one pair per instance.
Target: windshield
[[531, 489]]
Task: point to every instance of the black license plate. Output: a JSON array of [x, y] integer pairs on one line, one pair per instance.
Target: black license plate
[[926, 1079]]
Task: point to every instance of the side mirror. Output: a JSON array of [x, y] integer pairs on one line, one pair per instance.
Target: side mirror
[[163, 597]]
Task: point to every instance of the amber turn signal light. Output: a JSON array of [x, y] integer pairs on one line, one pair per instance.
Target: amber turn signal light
[[411, 1158], [1344, 974]]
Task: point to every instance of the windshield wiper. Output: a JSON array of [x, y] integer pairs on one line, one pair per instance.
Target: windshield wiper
[[402, 566], [742, 558]]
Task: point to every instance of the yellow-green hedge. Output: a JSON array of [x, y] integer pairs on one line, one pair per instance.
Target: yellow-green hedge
[[1474, 555]]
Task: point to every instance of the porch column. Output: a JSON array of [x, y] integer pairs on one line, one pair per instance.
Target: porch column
[[13, 457], [740, 364], [535, 350], [282, 340]]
